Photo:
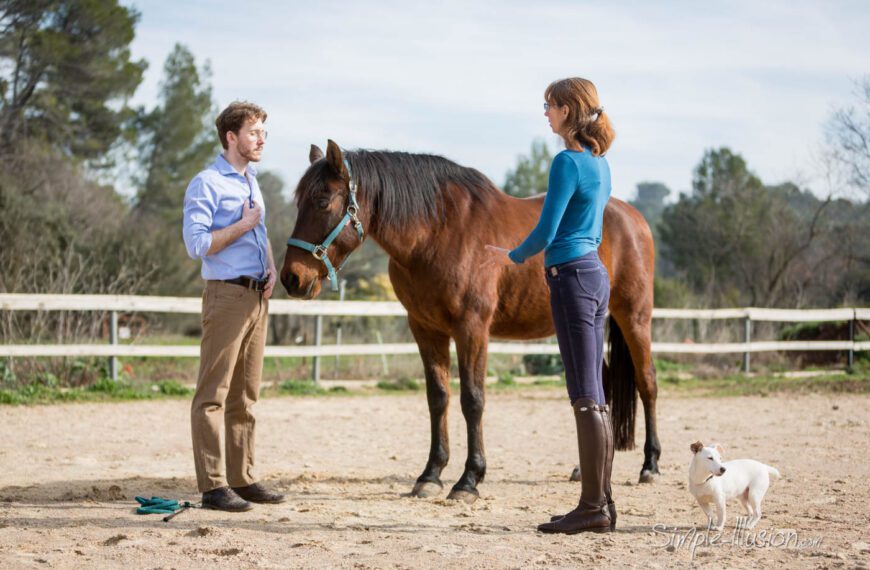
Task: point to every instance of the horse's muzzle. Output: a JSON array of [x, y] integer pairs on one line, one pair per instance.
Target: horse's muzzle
[[294, 286]]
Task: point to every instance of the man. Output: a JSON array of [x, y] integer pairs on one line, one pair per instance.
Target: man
[[224, 226]]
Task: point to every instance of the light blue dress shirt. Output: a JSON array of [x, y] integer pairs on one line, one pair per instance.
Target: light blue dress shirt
[[213, 201]]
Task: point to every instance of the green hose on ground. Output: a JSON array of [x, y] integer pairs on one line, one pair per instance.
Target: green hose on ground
[[161, 506]]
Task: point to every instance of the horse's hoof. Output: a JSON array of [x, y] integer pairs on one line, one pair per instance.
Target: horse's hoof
[[648, 476], [467, 497], [575, 475], [426, 489]]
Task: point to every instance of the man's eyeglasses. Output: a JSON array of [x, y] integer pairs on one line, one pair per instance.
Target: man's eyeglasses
[[259, 134]]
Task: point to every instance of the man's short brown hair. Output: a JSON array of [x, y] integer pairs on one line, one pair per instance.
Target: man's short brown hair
[[234, 118]]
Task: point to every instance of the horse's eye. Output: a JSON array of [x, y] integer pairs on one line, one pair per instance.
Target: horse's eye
[[323, 203]]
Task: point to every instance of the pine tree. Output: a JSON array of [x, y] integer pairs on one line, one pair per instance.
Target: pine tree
[[177, 138], [65, 74]]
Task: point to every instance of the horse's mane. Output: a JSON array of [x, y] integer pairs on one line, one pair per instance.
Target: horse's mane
[[402, 188]]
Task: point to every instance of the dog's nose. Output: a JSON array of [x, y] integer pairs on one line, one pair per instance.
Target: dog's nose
[[721, 470]]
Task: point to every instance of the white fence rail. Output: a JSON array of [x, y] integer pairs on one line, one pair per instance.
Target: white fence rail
[[114, 304]]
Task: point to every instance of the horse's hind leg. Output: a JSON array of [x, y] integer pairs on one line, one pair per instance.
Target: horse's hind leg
[[471, 352], [435, 352], [638, 337]]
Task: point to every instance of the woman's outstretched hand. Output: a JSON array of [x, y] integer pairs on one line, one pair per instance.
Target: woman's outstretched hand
[[496, 257]]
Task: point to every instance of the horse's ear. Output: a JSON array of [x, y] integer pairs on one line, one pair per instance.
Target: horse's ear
[[314, 154], [696, 447], [336, 160]]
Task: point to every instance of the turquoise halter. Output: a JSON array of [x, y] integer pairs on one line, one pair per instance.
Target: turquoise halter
[[319, 251]]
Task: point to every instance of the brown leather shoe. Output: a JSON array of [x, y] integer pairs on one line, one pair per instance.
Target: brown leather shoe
[[591, 514], [224, 499], [257, 493]]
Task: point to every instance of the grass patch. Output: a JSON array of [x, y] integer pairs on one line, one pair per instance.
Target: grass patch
[[664, 366], [764, 385], [549, 382], [301, 388], [506, 379], [675, 380], [173, 388], [103, 390], [38, 394], [402, 384]]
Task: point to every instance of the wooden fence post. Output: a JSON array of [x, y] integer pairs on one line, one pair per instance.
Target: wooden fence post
[[851, 360], [113, 340], [747, 338], [342, 285], [318, 339]]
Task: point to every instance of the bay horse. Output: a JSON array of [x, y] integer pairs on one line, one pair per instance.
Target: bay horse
[[433, 218]]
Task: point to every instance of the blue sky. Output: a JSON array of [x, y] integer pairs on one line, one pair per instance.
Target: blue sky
[[466, 79]]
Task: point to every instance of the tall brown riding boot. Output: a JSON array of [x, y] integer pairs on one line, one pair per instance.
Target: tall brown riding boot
[[591, 514], [608, 465], [608, 469]]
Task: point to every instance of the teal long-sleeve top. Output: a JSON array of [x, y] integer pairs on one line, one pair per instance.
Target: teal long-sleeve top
[[573, 212]]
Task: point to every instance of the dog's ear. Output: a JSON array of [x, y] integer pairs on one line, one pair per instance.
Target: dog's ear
[[719, 449], [696, 447]]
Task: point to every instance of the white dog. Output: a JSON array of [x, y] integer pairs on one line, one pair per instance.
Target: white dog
[[713, 482]]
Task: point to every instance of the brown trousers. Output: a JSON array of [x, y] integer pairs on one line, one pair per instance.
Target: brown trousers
[[234, 328]]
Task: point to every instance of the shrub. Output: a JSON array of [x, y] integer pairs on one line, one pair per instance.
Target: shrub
[[543, 364]]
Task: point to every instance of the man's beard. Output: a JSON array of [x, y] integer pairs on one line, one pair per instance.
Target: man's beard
[[249, 154]]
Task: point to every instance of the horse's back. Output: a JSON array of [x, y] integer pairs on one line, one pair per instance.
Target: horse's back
[[628, 252], [626, 242]]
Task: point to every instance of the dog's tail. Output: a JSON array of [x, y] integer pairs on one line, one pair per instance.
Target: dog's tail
[[773, 471]]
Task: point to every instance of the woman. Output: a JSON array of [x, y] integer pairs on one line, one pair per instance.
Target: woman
[[569, 232]]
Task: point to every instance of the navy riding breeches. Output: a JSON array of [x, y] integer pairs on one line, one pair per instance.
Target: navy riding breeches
[[579, 294]]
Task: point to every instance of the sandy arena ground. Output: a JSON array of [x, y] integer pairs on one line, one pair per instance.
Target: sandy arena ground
[[70, 472]]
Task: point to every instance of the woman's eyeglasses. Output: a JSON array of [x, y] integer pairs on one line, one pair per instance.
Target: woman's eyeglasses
[[546, 107]]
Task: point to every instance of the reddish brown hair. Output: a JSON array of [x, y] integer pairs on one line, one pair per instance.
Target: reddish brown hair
[[234, 118], [586, 122]]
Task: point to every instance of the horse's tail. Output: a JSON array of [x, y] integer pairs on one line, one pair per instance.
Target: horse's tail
[[621, 391]]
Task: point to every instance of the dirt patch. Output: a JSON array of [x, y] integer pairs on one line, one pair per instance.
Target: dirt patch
[[96, 494], [346, 463], [114, 540], [201, 531]]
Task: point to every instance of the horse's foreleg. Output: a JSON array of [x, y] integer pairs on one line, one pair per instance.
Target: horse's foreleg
[[471, 352], [435, 352]]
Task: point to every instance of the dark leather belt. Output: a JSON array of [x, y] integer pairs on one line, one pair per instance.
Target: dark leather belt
[[249, 283], [554, 270]]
